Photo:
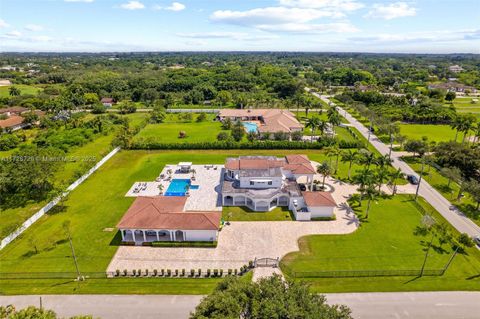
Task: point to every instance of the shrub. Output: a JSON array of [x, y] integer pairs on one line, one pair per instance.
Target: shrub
[[220, 273], [206, 244], [250, 264], [146, 272], [155, 272], [230, 271], [8, 141], [215, 272], [117, 272], [183, 273], [296, 136], [99, 109], [465, 240], [208, 273], [169, 273], [139, 272], [202, 117], [125, 272], [192, 272], [162, 272], [134, 272], [199, 272], [235, 271], [182, 134], [223, 136]]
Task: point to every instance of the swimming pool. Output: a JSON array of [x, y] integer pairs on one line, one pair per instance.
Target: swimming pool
[[250, 127], [178, 187]]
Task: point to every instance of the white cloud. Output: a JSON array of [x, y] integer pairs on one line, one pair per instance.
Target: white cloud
[[391, 11], [228, 35], [12, 34], [34, 27], [42, 38], [132, 5], [424, 36], [176, 6], [78, 0], [310, 28], [3, 24], [341, 5], [271, 16]]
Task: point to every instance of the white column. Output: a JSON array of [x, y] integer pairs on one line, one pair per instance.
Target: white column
[[171, 235], [311, 184], [174, 236], [133, 234], [144, 235], [254, 205], [158, 236], [123, 235]]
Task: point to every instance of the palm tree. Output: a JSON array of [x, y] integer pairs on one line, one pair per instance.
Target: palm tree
[[160, 189], [363, 179], [325, 170], [334, 119], [322, 126], [477, 132], [452, 173], [349, 157], [370, 194], [455, 124], [382, 161], [381, 177], [394, 176], [312, 123], [336, 152], [193, 171], [367, 158], [14, 91]]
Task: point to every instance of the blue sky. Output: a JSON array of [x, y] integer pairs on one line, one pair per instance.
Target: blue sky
[[430, 26]]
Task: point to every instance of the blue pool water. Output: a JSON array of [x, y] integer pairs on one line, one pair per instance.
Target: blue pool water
[[250, 127], [178, 187]]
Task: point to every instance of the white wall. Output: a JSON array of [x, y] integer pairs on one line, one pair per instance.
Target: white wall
[[276, 182], [321, 211], [200, 235]]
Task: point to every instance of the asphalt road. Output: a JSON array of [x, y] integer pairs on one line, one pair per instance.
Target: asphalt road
[[418, 305], [462, 223]]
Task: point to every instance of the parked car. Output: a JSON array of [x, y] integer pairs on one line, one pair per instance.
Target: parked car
[[476, 239], [413, 179]]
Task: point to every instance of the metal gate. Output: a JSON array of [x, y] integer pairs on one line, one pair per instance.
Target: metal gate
[[266, 262]]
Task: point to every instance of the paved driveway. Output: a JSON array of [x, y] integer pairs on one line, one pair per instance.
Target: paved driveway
[[240, 242]]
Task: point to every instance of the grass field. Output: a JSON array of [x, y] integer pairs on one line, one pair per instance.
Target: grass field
[[467, 205], [434, 133], [24, 90], [168, 132], [465, 105], [385, 241], [246, 214], [92, 208]]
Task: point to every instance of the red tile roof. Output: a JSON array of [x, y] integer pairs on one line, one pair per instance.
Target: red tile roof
[[14, 109], [166, 212], [315, 199], [12, 121], [303, 168], [297, 159]]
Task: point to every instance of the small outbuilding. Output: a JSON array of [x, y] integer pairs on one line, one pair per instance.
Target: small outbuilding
[[319, 204]]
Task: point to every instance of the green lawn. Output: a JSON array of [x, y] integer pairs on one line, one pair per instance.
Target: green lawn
[[465, 105], [436, 133], [467, 205], [24, 89], [385, 241], [246, 214], [96, 205], [168, 132]]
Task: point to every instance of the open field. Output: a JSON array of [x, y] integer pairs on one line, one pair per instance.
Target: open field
[[434, 133], [246, 214], [467, 205], [465, 105], [168, 132], [24, 89], [93, 208], [385, 241]]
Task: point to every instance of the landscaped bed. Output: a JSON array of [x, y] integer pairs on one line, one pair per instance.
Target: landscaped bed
[[235, 213]]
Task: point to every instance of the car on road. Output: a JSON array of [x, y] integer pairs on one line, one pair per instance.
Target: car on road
[[476, 239], [413, 179]]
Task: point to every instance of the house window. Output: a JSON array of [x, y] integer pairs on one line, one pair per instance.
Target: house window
[[252, 183], [270, 183]]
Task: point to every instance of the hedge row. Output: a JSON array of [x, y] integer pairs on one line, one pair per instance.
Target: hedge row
[[155, 145], [204, 244]]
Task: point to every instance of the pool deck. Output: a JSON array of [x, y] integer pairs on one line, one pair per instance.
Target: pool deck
[[205, 198]]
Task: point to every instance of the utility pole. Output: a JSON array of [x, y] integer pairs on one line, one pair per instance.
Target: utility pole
[[420, 179]]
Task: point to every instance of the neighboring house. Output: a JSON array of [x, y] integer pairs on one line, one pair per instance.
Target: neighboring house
[[455, 68], [453, 87], [107, 101], [162, 218], [12, 119], [265, 120], [12, 123], [262, 183]]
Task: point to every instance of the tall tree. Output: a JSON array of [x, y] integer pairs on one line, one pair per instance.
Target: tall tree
[[349, 156], [325, 170]]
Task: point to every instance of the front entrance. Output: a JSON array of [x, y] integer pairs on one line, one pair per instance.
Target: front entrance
[[179, 235]]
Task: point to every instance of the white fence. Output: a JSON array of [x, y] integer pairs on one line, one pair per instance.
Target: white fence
[[7, 240]]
